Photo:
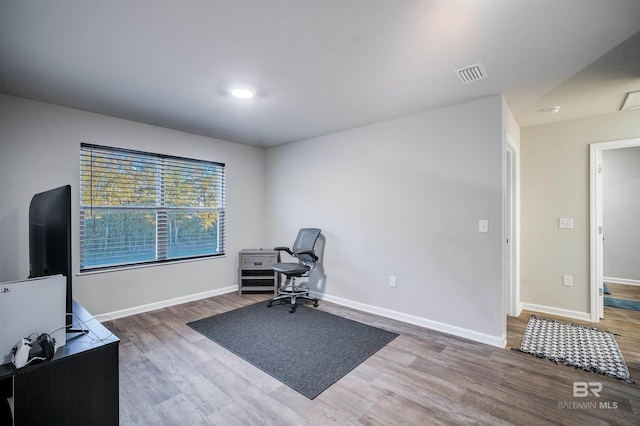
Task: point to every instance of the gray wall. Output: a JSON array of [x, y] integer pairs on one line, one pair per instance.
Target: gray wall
[[621, 202], [403, 198], [40, 150], [399, 198]]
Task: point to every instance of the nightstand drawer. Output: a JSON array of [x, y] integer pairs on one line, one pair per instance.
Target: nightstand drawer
[[257, 261]]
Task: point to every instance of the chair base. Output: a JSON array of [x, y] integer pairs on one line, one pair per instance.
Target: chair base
[[293, 293]]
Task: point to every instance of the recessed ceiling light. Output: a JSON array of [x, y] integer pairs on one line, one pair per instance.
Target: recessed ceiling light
[[552, 109], [242, 92]]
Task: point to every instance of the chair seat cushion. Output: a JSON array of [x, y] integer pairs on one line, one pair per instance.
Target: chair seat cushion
[[291, 269]]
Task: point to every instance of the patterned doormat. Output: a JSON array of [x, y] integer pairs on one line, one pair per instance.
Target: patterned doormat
[[576, 346]]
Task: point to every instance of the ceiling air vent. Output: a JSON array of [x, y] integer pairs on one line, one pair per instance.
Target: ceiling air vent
[[471, 73]]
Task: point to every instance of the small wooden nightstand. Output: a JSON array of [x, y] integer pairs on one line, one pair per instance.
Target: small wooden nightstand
[[254, 271]]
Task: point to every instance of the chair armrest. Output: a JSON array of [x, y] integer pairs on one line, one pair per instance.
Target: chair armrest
[[287, 249], [309, 252]]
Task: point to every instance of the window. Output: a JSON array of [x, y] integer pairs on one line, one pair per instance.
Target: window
[[137, 207]]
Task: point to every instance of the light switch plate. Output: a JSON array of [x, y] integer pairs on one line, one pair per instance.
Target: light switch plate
[[393, 283], [483, 225], [565, 223]]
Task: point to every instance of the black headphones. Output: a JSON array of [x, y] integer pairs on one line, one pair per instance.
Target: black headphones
[[48, 345]]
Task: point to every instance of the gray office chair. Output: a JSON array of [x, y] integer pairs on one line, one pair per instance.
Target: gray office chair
[[304, 251]]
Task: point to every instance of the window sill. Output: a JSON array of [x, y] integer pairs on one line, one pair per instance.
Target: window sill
[[147, 265]]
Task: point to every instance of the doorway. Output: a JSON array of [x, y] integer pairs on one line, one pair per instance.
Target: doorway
[[597, 223]]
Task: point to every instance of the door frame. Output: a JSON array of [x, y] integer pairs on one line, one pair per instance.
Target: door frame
[[596, 229], [511, 235]]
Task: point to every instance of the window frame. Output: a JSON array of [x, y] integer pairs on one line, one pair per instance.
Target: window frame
[[162, 207]]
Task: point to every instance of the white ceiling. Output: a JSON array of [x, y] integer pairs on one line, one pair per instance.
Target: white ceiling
[[320, 66]]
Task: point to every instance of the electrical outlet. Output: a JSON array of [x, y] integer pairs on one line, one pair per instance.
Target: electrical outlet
[[392, 282], [567, 280]]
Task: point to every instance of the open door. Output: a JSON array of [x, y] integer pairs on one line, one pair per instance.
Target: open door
[[597, 230]]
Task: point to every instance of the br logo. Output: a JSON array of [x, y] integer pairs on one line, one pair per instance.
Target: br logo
[[583, 389]]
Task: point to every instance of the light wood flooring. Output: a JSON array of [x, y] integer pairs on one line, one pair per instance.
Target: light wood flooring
[[624, 291], [172, 375]]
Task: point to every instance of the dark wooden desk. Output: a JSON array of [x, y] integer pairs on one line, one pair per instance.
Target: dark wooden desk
[[79, 386]]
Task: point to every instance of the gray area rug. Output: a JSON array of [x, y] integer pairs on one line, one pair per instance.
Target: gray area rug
[[308, 350], [574, 345]]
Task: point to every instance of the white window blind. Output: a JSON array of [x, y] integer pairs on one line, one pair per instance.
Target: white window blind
[[137, 207]]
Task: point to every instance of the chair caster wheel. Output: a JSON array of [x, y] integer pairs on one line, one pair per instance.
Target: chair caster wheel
[[292, 310], [315, 304], [269, 304]]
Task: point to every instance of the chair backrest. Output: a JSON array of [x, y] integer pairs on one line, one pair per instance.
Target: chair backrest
[[305, 241]]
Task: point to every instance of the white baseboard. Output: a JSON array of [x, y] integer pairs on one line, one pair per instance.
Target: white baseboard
[[621, 281], [582, 316], [518, 311], [500, 342], [169, 302]]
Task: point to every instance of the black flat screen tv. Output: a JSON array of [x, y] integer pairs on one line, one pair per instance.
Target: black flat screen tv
[[50, 238]]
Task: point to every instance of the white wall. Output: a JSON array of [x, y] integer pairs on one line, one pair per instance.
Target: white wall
[[554, 184], [621, 202], [403, 198], [39, 150]]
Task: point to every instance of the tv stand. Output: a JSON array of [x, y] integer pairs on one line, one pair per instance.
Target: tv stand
[[79, 386], [75, 331]]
